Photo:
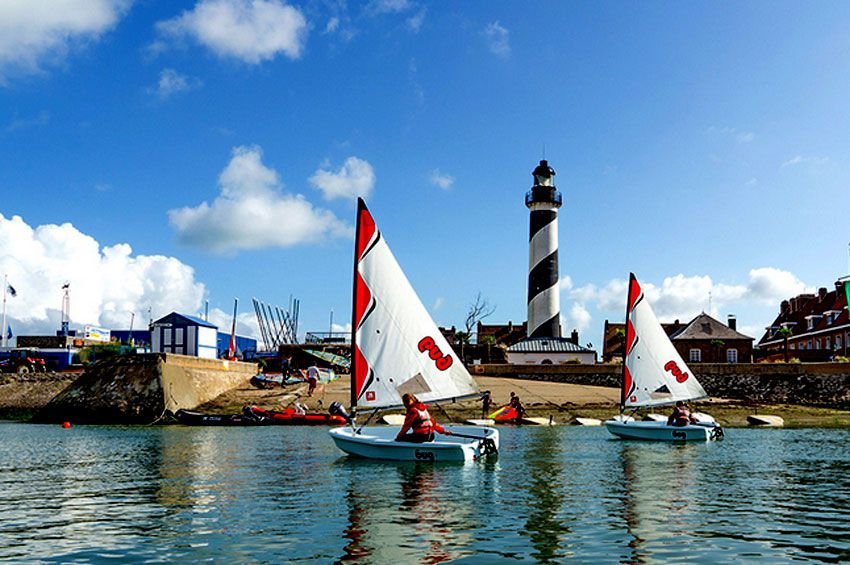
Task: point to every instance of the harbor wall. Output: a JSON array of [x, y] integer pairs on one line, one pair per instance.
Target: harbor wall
[[140, 389], [825, 384]]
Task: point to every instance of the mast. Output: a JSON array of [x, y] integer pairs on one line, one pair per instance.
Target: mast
[[361, 207], [626, 381]]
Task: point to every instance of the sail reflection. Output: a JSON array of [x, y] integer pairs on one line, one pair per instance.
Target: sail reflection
[[404, 512], [660, 483]]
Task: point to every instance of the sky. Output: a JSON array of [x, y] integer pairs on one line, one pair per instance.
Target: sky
[[161, 155]]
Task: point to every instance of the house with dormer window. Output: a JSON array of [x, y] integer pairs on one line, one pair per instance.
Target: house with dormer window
[[819, 326]]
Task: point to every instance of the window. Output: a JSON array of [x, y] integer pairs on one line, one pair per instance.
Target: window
[[731, 355], [792, 346], [166, 336], [695, 356], [817, 344], [809, 345], [828, 343], [838, 341], [178, 337]]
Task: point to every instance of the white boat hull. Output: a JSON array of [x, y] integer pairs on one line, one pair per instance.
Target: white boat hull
[[379, 443], [660, 431]]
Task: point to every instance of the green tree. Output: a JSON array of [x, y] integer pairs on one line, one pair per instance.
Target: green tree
[[785, 332]]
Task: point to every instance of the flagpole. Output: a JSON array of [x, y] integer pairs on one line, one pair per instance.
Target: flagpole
[[5, 291]]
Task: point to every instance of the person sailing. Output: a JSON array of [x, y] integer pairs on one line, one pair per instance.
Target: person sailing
[[681, 415], [419, 421]]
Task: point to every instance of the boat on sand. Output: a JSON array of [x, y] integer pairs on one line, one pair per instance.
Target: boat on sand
[[397, 349], [654, 374]]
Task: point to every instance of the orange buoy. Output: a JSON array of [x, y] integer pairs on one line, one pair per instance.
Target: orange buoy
[[66, 425]]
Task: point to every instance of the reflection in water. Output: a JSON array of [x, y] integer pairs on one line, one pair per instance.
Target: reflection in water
[[657, 501], [276, 494], [402, 512], [544, 454]]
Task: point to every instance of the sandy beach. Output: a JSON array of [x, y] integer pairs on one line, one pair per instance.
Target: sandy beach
[[561, 401]]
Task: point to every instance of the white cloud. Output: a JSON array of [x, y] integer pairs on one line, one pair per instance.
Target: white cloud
[[579, 318], [333, 25], [34, 32], [443, 180], [252, 212], [801, 160], [171, 82], [414, 22], [107, 283], [498, 39], [566, 283], [41, 119], [341, 328], [745, 137], [752, 182], [355, 178], [252, 31], [388, 6], [246, 322], [683, 297], [438, 303]]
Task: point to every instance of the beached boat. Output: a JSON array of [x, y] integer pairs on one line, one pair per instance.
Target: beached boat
[[292, 417], [192, 418], [397, 349], [654, 374]]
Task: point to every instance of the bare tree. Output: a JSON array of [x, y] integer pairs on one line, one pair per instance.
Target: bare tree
[[479, 309]]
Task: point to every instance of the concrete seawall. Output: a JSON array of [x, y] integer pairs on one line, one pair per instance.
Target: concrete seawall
[[826, 384], [139, 389]]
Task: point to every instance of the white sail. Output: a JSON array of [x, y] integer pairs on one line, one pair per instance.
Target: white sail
[[397, 346], [654, 373]]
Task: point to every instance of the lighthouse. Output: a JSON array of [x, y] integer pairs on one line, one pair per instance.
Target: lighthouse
[[543, 201]]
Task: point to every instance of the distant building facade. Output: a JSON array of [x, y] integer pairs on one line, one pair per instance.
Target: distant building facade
[[702, 340], [818, 323], [550, 351]]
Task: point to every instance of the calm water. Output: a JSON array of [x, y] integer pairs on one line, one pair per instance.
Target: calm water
[[275, 494]]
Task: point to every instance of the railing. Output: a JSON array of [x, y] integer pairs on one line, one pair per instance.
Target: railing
[[543, 194], [328, 337]]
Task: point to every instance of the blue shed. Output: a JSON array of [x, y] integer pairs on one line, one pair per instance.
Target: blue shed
[[186, 335]]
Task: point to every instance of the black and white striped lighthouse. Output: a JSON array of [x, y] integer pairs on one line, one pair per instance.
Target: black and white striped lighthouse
[[544, 305]]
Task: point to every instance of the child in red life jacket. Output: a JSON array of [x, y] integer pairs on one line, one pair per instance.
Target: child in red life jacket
[[419, 421]]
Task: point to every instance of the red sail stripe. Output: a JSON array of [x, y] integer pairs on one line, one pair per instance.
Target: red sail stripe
[[634, 293], [361, 369], [365, 233], [627, 385], [364, 298]]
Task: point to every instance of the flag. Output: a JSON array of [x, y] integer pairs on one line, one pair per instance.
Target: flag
[[11, 290], [847, 290], [9, 333]]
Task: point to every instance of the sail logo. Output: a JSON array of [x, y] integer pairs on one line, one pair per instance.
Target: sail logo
[[673, 368], [442, 362]]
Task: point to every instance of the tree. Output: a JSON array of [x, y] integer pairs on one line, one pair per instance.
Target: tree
[[478, 310], [785, 332]]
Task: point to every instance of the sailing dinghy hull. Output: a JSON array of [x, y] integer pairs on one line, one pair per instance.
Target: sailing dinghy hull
[[379, 443], [660, 431]]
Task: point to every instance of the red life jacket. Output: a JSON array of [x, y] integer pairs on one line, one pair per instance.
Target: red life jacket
[[422, 424], [682, 415]]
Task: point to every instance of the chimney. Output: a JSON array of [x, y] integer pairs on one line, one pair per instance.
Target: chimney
[[821, 293], [733, 322], [574, 337], [785, 307]]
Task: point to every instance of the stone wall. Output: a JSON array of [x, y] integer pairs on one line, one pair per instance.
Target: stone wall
[[139, 389], [794, 383]]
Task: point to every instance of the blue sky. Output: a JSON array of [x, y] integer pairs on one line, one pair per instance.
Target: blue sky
[[158, 154]]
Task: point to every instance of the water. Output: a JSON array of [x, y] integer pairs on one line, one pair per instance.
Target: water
[[276, 494]]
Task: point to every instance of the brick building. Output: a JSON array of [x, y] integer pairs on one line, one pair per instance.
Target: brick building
[[818, 327], [702, 340]]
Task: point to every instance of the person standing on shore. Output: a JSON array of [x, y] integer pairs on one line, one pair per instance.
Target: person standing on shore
[[486, 403], [312, 379]]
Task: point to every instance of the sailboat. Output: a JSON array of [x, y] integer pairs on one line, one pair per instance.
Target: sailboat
[[654, 374], [397, 349]]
